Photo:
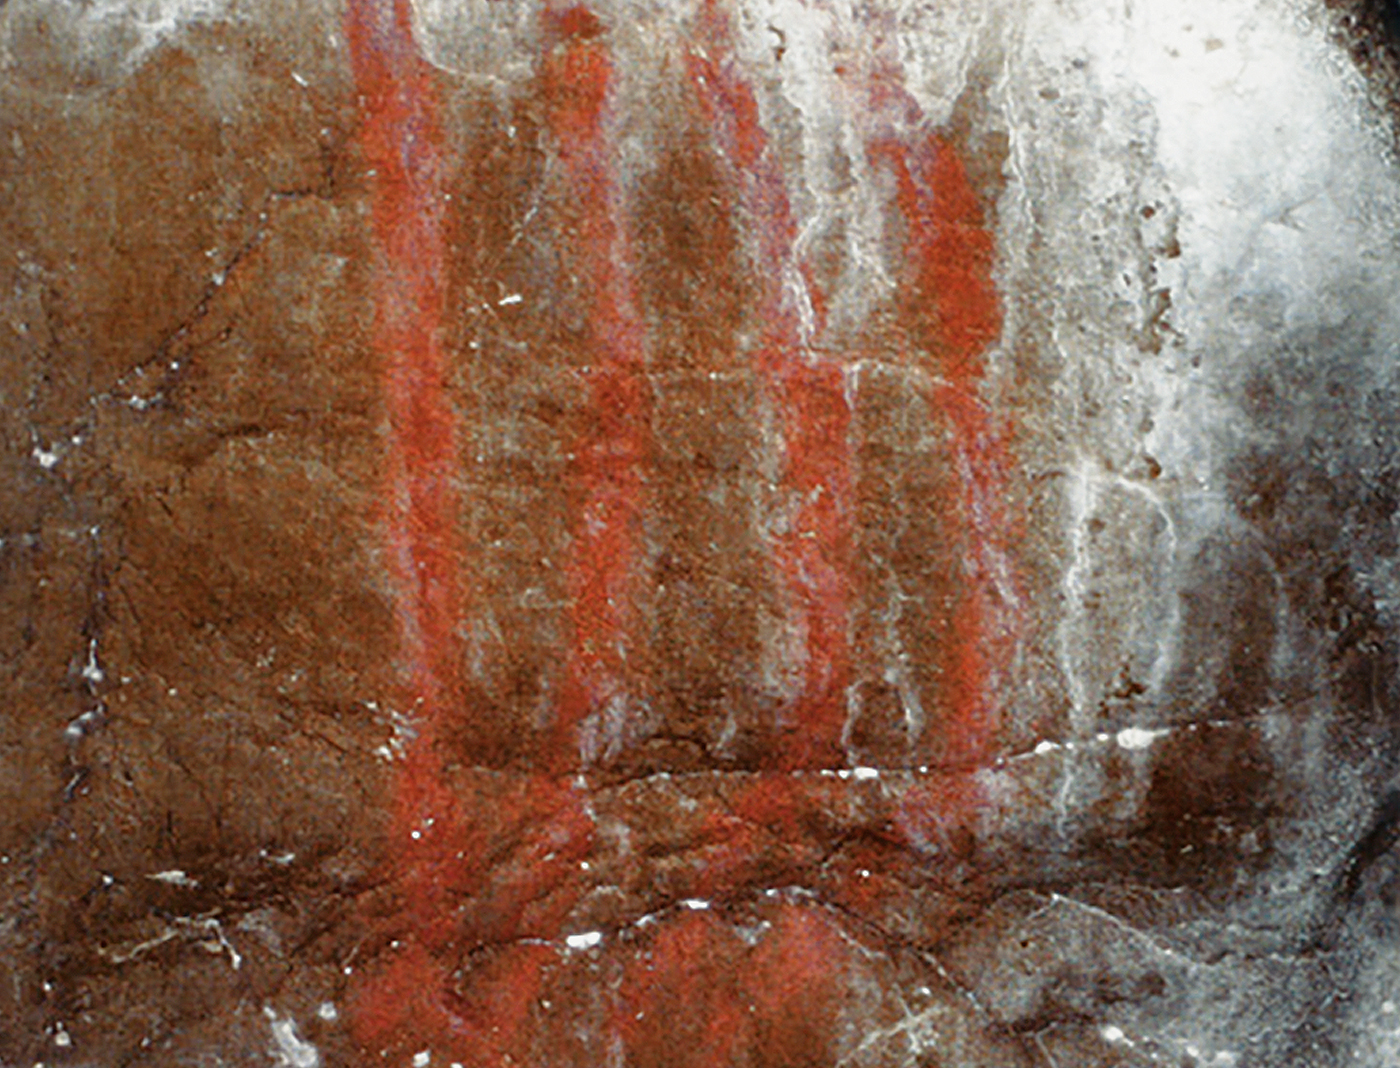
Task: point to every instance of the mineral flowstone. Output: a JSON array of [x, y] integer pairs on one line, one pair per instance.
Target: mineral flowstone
[[712, 533]]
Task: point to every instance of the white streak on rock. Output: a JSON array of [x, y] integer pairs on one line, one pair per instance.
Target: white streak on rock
[[173, 877], [292, 1051]]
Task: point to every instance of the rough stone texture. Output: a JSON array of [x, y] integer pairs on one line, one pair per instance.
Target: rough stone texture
[[731, 533]]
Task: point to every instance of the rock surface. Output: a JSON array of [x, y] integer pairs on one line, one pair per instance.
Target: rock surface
[[727, 532]]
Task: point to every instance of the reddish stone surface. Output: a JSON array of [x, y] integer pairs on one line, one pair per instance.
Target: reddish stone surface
[[589, 564], [492, 879]]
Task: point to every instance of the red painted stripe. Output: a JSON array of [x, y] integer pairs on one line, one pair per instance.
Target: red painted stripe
[[449, 901], [400, 138], [575, 82], [949, 256], [680, 1004], [813, 553], [948, 264]]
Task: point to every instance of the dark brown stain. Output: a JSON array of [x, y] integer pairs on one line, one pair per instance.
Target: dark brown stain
[[694, 284], [195, 365], [1210, 806], [909, 568], [710, 583], [520, 400]]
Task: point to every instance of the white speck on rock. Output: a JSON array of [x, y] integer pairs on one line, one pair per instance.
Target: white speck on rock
[[695, 904], [1137, 737], [77, 730], [865, 774], [327, 1011], [587, 940], [45, 458], [421, 1058], [1112, 1034]]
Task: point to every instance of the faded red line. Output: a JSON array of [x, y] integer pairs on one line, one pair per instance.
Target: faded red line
[[576, 82], [949, 259], [700, 996], [947, 278], [813, 553], [436, 840], [400, 139]]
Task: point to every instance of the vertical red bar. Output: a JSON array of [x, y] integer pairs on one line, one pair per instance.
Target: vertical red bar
[[575, 86], [952, 318], [400, 140], [948, 272], [434, 841], [812, 549]]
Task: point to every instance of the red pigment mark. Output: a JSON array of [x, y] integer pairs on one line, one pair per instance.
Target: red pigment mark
[[947, 280], [948, 265], [680, 1005], [438, 836], [812, 554], [575, 82], [400, 139], [486, 867], [700, 996]]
